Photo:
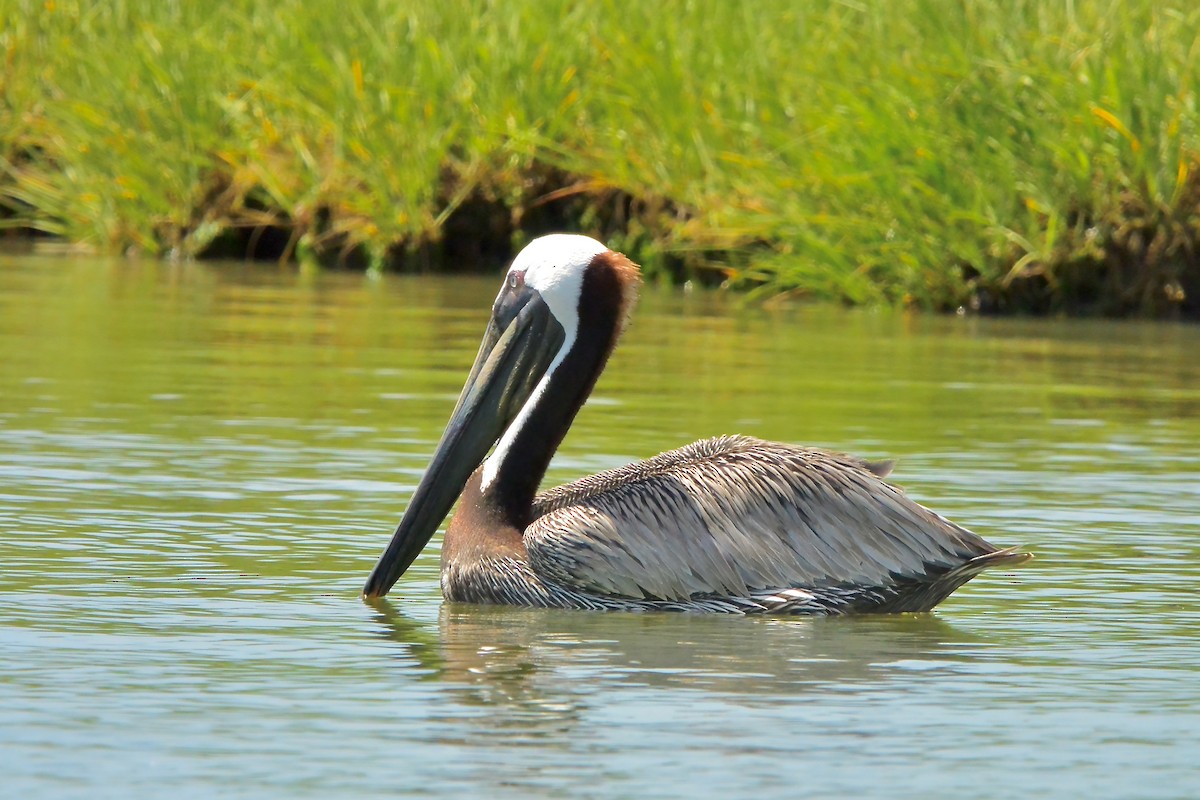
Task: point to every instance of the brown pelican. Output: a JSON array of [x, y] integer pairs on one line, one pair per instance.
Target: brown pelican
[[731, 524]]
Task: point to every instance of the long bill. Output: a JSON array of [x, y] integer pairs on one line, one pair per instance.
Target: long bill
[[521, 341]]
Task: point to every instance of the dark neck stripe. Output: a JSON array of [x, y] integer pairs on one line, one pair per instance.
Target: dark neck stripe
[[520, 473]]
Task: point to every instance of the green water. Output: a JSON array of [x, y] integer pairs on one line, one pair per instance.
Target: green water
[[200, 463]]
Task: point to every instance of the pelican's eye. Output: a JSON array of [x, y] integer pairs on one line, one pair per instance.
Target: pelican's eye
[[512, 297]]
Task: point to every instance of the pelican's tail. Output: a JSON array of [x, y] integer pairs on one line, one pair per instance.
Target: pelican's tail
[[922, 594]]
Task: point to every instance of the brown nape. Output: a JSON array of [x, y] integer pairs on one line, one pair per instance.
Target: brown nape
[[627, 275]]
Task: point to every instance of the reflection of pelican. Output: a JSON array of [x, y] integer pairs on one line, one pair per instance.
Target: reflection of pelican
[[730, 524], [551, 659]]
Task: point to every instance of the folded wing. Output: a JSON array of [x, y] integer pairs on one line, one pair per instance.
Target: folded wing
[[734, 516]]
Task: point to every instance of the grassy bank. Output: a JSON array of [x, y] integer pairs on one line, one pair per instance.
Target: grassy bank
[[1006, 155]]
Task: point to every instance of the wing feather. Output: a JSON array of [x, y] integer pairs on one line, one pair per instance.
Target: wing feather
[[735, 515]]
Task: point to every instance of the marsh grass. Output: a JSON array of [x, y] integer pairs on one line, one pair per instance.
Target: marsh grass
[[1009, 155]]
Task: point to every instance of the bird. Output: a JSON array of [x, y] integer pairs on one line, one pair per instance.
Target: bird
[[731, 524]]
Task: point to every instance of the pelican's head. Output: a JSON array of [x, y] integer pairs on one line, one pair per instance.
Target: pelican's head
[[564, 294], [555, 267]]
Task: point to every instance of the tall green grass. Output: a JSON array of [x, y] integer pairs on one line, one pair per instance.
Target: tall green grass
[[935, 152]]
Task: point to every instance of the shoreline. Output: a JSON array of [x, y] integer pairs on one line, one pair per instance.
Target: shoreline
[[1000, 159]]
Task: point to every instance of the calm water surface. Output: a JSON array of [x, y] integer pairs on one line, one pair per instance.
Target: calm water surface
[[200, 463]]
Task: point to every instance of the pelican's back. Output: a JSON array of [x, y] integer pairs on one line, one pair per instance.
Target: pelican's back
[[736, 517]]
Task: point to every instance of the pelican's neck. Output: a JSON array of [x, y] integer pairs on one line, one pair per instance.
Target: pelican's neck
[[513, 472]]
